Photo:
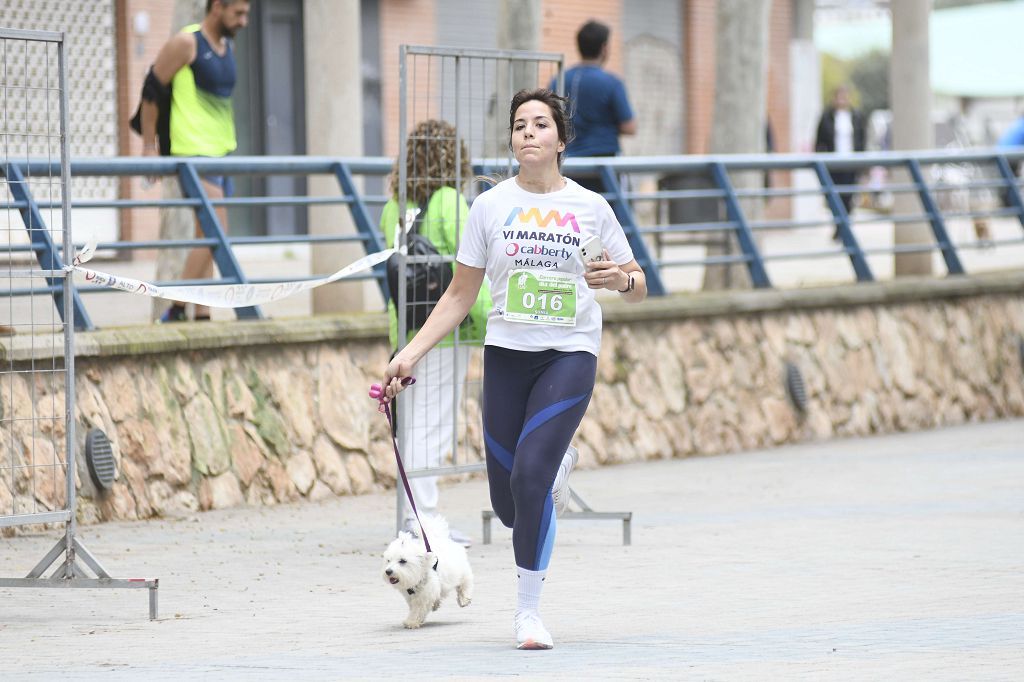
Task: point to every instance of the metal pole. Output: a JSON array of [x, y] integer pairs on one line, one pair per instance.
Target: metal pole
[[69, 326], [400, 242], [942, 238], [755, 264], [835, 204]]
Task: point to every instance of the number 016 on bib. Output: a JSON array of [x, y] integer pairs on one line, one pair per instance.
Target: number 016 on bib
[[535, 297]]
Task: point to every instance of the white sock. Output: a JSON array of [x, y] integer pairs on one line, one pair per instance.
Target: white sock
[[530, 585]]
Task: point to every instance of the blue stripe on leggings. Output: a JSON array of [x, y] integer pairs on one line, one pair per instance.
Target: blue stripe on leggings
[[503, 456], [546, 539], [547, 414]]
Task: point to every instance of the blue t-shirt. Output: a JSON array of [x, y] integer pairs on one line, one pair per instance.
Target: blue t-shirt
[[1014, 137], [599, 105]]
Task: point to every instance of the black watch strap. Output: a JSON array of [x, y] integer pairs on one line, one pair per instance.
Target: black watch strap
[[630, 285]]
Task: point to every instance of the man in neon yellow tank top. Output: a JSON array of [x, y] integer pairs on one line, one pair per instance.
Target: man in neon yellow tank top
[[198, 67]]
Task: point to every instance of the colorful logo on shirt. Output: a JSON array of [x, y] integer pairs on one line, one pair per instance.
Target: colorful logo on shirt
[[533, 214]]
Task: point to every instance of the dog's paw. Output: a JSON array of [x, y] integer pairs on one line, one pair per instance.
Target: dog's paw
[[412, 624], [437, 605], [464, 601]]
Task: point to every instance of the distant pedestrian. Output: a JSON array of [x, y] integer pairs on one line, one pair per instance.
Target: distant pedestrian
[[841, 131], [598, 103], [196, 71]]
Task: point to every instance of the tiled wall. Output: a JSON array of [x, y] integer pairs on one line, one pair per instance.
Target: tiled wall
[[91, 72]]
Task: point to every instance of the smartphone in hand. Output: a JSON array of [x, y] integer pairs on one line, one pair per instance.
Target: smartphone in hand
[[591, 250]]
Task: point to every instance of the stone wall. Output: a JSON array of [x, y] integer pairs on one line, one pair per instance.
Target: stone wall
[[215, 415]]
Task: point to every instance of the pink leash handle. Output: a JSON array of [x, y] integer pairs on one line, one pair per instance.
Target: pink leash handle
[[377, 393]]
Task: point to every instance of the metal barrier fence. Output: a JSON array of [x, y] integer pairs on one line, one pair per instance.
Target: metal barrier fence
[[38, 441], [452, 107], [194, 196], [453, 104]]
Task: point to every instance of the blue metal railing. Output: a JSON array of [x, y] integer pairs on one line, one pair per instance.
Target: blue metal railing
[[729, 222], [994, 165], [188, 172]]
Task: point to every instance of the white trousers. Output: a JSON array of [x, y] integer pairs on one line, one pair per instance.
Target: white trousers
[[427, 418]]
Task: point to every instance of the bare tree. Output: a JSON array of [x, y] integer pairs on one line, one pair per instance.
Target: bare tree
[[741, 45]]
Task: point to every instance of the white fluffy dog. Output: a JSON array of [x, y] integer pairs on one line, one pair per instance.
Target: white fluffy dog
[[425, 579]]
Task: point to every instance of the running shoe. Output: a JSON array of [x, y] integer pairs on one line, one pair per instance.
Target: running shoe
[[560, 494], [530, 632], [175, 313]]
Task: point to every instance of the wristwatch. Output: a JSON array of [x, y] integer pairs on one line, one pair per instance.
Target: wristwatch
[[629, 285]]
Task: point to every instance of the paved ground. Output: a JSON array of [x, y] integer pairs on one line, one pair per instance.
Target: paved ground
[[898, 557]]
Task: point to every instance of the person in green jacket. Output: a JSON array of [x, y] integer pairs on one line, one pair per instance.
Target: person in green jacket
[[432, 187]]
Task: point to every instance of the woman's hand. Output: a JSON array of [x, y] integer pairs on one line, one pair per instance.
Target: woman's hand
[[398, 369], [605, 274], [448, 313]]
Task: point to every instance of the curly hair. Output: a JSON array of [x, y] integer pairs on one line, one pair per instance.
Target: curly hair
[[430, 162]]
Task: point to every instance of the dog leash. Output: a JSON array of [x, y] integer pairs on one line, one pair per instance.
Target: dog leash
[[377, 393]]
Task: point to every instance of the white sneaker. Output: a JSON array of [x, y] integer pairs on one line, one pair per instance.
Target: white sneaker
[[560, 490], [530, 632]]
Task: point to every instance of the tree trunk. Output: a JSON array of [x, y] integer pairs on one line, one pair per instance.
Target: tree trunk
[[518, 29], [911, 97], [741, 47], [334, 124]]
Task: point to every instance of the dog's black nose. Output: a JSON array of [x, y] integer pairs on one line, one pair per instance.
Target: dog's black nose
[[388, 572]]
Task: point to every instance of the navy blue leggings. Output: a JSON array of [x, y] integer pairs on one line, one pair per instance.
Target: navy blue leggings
[[532, 404]]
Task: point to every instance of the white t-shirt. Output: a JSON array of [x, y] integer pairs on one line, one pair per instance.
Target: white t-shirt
[[510, 229], [844, 132]]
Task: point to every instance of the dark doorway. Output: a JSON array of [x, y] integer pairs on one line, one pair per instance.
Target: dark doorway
[[373, 135], [270, 114]]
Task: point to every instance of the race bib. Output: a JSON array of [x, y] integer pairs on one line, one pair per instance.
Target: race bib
[[539, 297]]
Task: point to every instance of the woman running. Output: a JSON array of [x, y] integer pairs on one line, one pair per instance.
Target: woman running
[[543, 332]]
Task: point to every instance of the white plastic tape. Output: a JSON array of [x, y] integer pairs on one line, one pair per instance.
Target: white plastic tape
[[220, 295]]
